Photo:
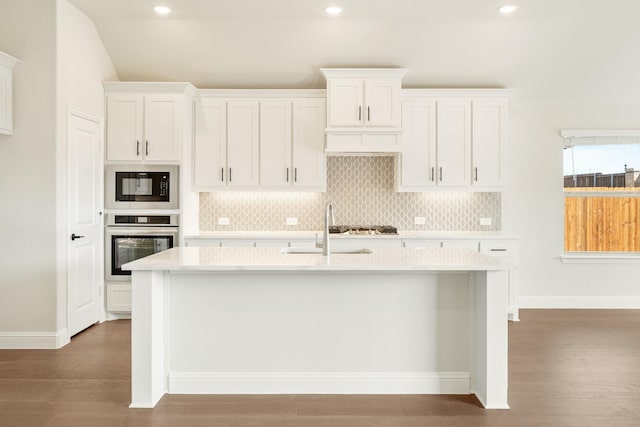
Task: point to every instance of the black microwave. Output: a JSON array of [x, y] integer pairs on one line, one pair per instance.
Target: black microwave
[[142, 187]]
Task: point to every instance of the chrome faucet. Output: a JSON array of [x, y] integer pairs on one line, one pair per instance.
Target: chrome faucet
[[328, 209]]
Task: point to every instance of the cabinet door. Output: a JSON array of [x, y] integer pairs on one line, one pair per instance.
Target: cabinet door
[[489, 139], [309, 158], [421, 243], [162, 127], [345, 102], [210, 143], [382, 102], [124, 127], [275, 145], [242, 144], [454, 143], [418, 157]]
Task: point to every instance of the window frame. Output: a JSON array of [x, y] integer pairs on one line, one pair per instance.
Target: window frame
[[575, 137]]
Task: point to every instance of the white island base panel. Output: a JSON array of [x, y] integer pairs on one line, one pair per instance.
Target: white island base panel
[[337, 332]]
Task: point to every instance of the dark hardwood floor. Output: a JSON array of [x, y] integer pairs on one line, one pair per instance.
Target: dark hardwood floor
[[566, 368]]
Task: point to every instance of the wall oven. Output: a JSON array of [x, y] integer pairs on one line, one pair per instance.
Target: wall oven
[[131, 237], [142, 187]]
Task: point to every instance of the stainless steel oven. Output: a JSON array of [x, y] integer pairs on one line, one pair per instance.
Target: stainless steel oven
[[131, 237], [142, 187]]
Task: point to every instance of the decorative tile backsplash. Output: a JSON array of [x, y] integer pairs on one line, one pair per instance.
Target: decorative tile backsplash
[[361, 189]]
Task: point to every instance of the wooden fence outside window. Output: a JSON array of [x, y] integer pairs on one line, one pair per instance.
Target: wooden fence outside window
[[610, 223]]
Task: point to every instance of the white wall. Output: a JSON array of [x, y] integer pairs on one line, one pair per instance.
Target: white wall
[[534, 207], [82, 65], [27, 172], [63, 63]]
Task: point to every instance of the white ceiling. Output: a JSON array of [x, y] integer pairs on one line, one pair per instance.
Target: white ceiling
[[547, 45]]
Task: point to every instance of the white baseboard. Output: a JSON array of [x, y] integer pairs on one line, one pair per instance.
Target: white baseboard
[[319, 383], [596, 302], [117, 316], [34, 340]]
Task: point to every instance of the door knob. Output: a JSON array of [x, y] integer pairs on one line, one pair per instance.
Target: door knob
[[75, 236]]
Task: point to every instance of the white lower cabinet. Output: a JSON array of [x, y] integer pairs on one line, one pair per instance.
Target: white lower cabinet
[[506, 249], [365, 242], [119, 297]]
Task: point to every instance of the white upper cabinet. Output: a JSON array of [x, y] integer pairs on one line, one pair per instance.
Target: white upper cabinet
[[6, 93], [242, 144], [416, 165], [143, 127], [453, 139], [363, 109], [292, 145], [453, 136], [275, 144], [210, 143], [309, 160], [225, 144], [489, 139], [363, 97]]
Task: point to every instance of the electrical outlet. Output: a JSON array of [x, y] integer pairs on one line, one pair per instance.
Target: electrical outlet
[[223, 220], [292, 221], [485, 221], [419, 220]]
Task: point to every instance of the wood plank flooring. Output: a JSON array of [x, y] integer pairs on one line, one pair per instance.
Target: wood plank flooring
[[566, 368]]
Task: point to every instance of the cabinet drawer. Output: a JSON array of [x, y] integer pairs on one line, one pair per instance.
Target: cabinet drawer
[[499, 248]]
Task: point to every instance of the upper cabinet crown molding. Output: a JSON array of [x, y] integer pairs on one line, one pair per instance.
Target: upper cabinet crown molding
[[364, 72], [7, 62], [261, 93], [150, 87]]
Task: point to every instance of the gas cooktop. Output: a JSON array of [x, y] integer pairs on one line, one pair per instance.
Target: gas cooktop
[[362, 229]]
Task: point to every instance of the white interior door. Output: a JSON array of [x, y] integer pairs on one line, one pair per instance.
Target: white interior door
[[85, 226]]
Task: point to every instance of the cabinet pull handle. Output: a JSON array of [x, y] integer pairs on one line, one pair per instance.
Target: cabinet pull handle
[[287, 174], [137, 148], [222, 174], [433, 170], [498, 250], [295, 174], [229, 174], [146, 149], [476, 174], [360, 113], [368, 113], [440, 173]]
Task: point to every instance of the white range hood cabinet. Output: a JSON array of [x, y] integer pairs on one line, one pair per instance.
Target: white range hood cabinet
[[364, 112]]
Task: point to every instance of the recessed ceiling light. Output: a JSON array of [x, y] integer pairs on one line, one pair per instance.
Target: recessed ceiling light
[[507, 9], [333, 10], [162, 10]]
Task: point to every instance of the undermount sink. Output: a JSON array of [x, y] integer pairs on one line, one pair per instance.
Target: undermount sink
[[292, 251]]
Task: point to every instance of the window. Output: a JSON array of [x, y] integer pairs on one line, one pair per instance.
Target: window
[[602, 191]]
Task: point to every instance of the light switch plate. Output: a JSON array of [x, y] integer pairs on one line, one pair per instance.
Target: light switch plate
[[223, 220], [419, 220], [485, 221], [292, 221]]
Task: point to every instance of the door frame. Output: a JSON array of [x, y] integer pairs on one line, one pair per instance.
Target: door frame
[[101, 315]]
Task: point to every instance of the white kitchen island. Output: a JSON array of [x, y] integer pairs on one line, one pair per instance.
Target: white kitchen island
[[256, 320]]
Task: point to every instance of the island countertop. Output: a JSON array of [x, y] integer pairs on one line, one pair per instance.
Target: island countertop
[[273, 259]]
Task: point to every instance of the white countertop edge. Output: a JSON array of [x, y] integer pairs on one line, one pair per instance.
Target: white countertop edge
[[600, 258], [213, 234], [272, 259]]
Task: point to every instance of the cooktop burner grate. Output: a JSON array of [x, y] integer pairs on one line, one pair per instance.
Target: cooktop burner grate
[[363, 229]]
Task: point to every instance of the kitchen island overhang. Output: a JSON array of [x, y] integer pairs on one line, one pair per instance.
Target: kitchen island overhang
[[255, 320]]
